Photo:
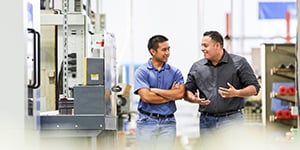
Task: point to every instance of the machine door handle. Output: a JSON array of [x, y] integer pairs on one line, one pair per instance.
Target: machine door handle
[[116, 88], [36, 59]]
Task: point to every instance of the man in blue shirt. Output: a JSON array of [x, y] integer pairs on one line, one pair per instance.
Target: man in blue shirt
[[222, 78], [158, 84]]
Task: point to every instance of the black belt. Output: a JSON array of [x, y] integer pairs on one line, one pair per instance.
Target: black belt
[[221, 114], [155, 115]]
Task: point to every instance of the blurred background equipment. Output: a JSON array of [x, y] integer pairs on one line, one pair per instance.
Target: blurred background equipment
[[74, 76]]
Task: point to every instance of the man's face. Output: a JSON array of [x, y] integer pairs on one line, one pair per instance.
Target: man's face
[[162, 53], [209, 48]]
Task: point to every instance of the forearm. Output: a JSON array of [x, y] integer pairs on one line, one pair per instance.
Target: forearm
[[247, 91], [170, 94], [151, 97]]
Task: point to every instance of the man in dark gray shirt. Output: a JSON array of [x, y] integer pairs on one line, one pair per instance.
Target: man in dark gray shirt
[[221, 80]]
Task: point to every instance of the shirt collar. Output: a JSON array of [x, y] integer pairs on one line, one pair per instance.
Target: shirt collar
[[150, 65], [225, 59]]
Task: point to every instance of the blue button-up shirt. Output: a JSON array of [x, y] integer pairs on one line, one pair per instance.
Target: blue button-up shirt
[[207, 78], [146, 76]]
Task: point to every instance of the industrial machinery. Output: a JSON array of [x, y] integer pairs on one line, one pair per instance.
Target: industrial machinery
[[74, 72], [279, 99]]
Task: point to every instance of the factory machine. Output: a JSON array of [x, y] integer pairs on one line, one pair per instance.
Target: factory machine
[[73, 91]]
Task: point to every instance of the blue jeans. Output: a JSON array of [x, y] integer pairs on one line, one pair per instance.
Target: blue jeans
[[155, 133], [210, 125]]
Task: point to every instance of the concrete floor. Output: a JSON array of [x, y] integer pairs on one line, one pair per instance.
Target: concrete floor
[[252, 136]]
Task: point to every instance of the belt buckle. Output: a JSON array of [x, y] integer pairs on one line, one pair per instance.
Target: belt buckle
[[157, 116], [154, 115]]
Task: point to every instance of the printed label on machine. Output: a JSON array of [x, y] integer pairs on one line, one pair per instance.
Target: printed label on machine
[[94, 76]]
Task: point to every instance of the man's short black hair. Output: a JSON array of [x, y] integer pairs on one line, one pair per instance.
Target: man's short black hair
[[214, 35], [154, 40]]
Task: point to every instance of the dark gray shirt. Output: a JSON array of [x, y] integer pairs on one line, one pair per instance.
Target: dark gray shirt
[[206, 78]]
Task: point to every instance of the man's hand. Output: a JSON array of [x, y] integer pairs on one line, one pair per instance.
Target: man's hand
[[201, 101], [175, 85], [194, 98], [249, 90], [228, 93]]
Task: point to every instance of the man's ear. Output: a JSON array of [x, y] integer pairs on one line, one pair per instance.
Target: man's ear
[[219, 45], [152, 51]]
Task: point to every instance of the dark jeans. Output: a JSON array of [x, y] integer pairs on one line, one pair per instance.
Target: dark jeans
[[211, 126]]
